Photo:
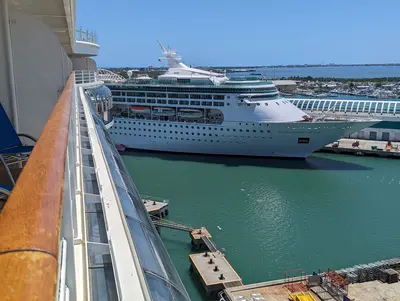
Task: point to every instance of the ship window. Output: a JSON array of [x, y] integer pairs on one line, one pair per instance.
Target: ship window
[[195, 103], [391, 108], [209, 134], [385, 107], [219, 97], [397, 108], [227, 130], [184, 102], [247, 131], [173, 102], [254, 131], [373, 107], [228, 104], [234, 130], [206, 103], [240, 131], [183, 80], [162, 101], [204, 134], [222, 129], [261, 131], [379, 107], [187, 133]]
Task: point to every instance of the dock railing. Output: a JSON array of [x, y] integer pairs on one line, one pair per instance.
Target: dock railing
[[31, 219]]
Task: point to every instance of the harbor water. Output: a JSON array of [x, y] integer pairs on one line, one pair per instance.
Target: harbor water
[[272, 215]]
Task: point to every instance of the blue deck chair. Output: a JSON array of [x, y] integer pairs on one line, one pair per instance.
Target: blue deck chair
[[12, 152]]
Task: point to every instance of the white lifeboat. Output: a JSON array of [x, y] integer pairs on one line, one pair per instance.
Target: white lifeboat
[[140, 109], [160, 111], [190, 113]]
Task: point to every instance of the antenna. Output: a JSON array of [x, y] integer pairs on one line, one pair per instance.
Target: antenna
[[162, 47]]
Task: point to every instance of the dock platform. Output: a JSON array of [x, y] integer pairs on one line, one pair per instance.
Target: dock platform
[[214, 271], [369, 148], [158, 209], [201, 240]]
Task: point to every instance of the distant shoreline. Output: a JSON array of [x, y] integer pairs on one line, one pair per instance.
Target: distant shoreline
[[309, 66]]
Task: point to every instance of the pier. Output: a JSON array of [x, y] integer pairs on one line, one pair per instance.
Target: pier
[[220, 280], [370, 148], [213, 269], [156, 208]]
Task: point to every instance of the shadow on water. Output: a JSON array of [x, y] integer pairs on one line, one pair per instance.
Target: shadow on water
[[312, 162]]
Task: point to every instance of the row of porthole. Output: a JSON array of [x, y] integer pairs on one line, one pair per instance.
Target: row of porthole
[[165, 124], [176, 138], [176, 132]]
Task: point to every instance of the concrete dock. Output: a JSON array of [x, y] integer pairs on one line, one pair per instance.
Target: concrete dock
[[366, 148], [158, 209], [214, 271]]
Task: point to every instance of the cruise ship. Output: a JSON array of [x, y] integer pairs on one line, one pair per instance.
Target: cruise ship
[[191, 110]]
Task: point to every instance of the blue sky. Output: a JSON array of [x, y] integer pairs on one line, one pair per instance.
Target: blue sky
[[240, 33]]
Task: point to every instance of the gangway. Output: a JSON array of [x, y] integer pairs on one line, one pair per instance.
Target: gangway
[[210, 245], [171, 225]]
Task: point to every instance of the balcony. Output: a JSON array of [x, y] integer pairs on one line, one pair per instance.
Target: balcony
[[86, 43], [74, 226]]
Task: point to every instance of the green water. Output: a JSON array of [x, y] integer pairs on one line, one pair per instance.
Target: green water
[[327, 211]]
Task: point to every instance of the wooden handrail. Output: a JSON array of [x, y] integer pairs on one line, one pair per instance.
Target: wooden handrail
[[31, 219]]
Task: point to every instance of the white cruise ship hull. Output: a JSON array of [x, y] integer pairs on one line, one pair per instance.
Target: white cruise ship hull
[[290, 140]]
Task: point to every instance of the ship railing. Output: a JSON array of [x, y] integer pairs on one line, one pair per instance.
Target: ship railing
[[31, 220], [86, 76], [86, 36]]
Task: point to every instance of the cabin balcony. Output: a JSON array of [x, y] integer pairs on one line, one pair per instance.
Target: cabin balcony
[[74, 226]]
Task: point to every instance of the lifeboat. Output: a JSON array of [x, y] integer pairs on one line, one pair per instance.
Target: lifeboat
[[140, 109], [158, 111], [190, 113]]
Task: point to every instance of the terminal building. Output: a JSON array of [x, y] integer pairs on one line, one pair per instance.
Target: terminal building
[[387, 111]]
